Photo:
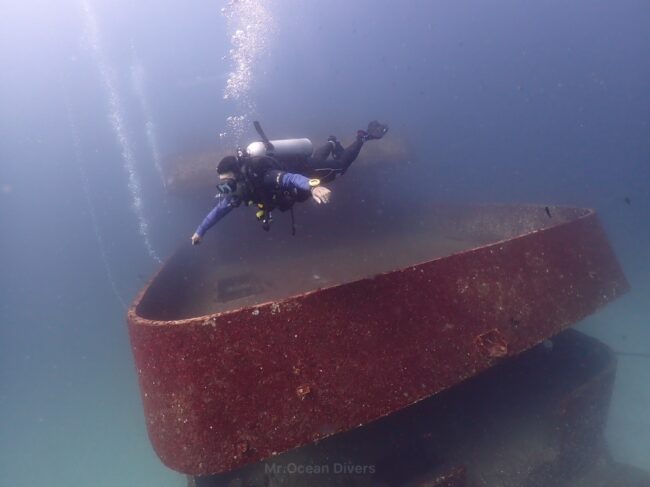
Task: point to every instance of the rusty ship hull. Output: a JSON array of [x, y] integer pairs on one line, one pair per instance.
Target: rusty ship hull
[[240, 363]]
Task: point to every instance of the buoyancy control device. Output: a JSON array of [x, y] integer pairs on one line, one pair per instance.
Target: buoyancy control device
[[285, 150]]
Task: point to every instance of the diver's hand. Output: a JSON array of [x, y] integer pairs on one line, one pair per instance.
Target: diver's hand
[[321, 194], [196, 239]]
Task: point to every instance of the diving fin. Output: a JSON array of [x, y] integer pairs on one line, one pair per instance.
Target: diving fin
[[376, 130]]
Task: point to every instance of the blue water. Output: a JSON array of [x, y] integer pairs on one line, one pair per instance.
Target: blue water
[[503, 101]]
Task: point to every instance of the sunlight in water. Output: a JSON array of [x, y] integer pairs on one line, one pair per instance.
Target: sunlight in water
[[85, 184], [250, 25], [138, 80], [116, 119]]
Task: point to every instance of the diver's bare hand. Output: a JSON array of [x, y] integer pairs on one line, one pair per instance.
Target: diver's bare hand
[[196, 239], [321, 194]]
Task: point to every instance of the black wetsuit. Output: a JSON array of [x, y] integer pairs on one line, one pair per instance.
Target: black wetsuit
[[319, 165]]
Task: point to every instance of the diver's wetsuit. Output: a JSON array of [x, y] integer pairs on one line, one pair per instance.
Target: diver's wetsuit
[[320, 167], [270, 181]]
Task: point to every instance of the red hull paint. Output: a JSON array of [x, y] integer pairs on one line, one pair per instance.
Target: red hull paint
[[228, 389]]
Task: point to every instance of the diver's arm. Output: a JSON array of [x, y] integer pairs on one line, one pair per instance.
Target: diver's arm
[[218, 212], [289, 180]]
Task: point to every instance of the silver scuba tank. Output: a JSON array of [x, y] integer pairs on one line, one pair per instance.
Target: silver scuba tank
[[282, 148]]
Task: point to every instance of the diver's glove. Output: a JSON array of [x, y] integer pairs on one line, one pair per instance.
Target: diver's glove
[[320, 194], [196, 239]]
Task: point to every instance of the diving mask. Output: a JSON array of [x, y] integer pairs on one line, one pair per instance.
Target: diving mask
[[227, 186]]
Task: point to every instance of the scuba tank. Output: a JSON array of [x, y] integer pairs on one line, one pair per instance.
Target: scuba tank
[[286, 148], [282, 148]]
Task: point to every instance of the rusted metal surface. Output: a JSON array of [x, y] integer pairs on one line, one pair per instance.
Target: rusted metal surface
[[455, 477], [228, 389], [506, 427]]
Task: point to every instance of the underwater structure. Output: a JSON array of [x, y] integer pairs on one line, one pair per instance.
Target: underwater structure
[[416, 346]]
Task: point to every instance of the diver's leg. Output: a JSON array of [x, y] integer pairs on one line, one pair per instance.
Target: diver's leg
[[327, 170], [333, 146], [338, 149], [345, 157], [349, 155], [324, 151]]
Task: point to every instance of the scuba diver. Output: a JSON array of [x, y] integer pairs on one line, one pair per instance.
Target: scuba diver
[[275, 174]]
